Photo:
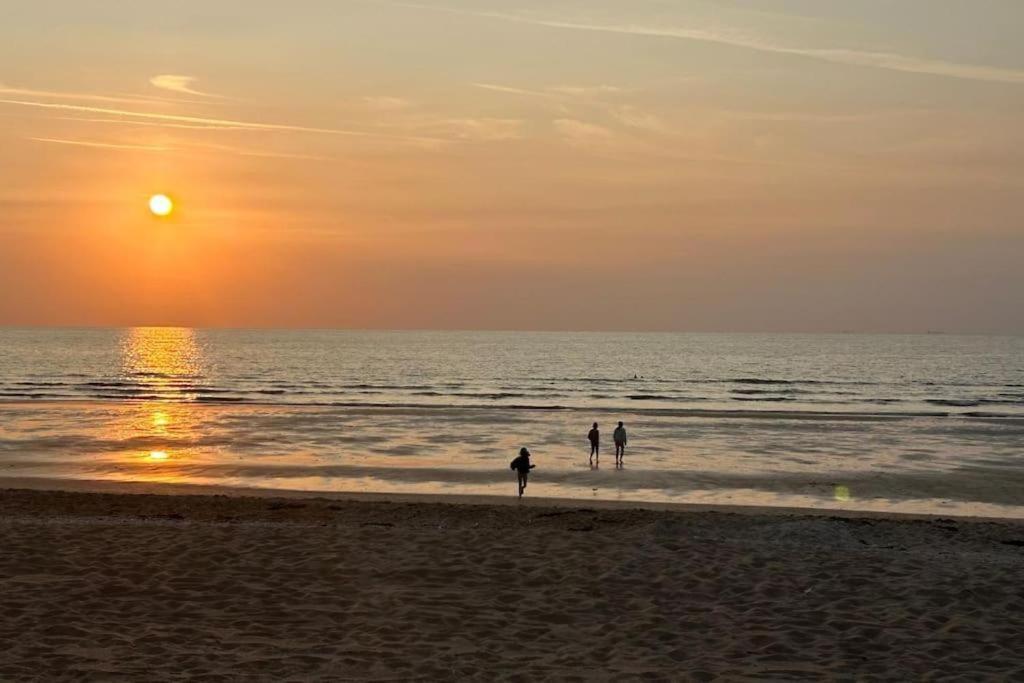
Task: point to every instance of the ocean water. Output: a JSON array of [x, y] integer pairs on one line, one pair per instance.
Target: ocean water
[[926, 423]]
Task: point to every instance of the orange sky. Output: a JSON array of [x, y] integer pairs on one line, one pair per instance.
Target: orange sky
[[791, 165]]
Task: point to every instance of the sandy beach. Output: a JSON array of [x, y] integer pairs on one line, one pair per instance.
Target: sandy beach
[[111, 586]]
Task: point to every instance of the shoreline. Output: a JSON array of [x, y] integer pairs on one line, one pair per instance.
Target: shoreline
[[43, 485]]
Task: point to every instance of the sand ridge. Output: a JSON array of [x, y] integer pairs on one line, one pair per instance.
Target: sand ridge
[[159, 587]]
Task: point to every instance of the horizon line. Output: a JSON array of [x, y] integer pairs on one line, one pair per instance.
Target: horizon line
[[497, 330]]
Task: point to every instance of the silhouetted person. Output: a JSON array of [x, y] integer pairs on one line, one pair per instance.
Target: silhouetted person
[[522, 467], [619, 436], [595, 444]]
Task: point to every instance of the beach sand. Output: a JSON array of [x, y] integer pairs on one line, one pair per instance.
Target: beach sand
[[167, 587]]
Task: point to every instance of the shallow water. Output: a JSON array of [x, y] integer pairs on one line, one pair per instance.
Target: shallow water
[[431, 413]]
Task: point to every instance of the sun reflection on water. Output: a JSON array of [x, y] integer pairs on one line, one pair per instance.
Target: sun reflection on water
[[162, 362], [163, 366]]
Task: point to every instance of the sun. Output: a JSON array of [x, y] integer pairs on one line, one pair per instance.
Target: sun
[[160, 205]]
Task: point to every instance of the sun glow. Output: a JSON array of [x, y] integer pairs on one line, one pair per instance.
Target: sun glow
[[160, 205]]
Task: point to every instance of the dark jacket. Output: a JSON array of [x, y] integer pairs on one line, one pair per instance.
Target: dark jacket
[[521, 464]]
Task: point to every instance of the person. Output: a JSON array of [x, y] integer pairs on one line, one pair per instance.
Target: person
[[595, 444], [619, 436], [522, 467]]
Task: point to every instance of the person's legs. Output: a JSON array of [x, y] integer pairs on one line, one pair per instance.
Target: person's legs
[[519, 480]]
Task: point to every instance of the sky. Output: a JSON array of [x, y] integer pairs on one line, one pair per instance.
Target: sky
[[736, 165]]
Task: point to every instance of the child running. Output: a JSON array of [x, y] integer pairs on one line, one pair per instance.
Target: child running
[[522, 467]]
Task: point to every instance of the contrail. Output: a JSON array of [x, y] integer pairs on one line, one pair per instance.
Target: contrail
[[241, 125]]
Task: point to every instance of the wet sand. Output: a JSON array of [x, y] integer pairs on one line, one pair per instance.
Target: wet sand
[[910, 464], [128, 586]]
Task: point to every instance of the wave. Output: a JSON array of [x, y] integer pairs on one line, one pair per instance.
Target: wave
[[739, 412], [769, 399], [757, 380], [769, 391]]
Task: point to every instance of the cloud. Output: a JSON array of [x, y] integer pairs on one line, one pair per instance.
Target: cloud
[[552, 92], [246, 152], [102, 145], [633, 117], [484, 129], [154, 124], [385, 103], [179, 84], [877, 59], [812, 117], [586, 90], [577, 131], [227, 123], [510, 90], [180, 146], [87, 97]]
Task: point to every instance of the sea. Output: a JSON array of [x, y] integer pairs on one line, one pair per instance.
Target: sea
[[906, 423]]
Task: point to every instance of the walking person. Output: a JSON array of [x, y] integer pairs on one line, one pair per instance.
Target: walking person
[[619, 436], [522, 467], [595, 444]]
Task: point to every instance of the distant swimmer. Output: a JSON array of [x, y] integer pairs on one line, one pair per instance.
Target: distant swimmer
[[522, 467], [595, 444], [619, 436]]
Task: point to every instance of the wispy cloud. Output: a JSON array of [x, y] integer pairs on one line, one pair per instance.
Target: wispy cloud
[[484, 129], [83, 97], [509, 90], [634, 117], [103, 145], [386, 103], [151, 124], [811, 117], [247, 152], [877, 59], [581, 132], [180, 146], [552, 92], [227, 123], [626, 115], [586, 90], [179, 84]]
